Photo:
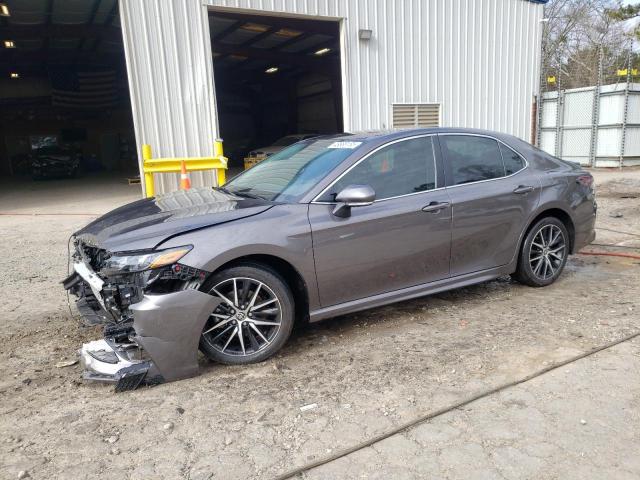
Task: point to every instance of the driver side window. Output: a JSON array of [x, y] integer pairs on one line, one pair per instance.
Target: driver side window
[[398, 169]]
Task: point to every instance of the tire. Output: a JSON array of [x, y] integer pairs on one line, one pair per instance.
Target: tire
[[540, 264], [265, 321]]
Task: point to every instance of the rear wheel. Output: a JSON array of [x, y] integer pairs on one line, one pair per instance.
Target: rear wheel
[[543, 254], [254, 319]]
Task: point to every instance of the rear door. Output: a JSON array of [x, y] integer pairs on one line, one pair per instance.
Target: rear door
[[392, 243], [493, 193]]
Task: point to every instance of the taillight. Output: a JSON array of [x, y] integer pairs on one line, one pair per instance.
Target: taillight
[[586, 180]]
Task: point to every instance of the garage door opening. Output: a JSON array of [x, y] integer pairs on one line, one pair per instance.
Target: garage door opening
[[276, 79], [64, 98]]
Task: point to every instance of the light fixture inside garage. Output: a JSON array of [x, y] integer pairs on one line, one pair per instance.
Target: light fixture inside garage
[[14, 75], [4, 10], [271, 70], [322, 51], [254, 27], [288, 33], [9, 44]]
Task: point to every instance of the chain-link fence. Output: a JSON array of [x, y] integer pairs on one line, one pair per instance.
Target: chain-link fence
[[596, 125]]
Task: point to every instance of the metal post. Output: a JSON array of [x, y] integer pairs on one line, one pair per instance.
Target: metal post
[[559, 117], [219, 155], [595, 118], [543, 77], [149, 190], [539, 105], [623, 140]]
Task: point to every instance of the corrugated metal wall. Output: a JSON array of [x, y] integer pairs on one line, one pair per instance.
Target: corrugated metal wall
[[168, 53], [478, 58]]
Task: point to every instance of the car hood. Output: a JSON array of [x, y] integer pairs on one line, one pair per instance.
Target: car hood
[[149, 222]]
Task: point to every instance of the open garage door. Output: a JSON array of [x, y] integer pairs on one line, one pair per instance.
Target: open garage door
[[277, 80], [64, 99]]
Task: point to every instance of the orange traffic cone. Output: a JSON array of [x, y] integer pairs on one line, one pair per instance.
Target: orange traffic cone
[[185, 183]]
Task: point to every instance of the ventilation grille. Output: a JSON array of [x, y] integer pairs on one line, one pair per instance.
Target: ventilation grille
[[417, 115]]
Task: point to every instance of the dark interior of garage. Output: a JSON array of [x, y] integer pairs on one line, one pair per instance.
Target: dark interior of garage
[[64, 90], [274, 76]]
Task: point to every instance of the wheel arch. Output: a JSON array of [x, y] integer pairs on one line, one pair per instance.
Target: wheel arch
[[286, 270], [556, 212]]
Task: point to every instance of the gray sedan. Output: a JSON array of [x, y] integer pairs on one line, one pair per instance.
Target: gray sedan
[[327, 226]]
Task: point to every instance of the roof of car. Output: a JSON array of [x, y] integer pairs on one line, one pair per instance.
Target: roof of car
[[370, 139], [389, 134]]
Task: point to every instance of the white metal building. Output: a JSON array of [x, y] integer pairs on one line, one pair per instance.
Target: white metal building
[[472, 63]]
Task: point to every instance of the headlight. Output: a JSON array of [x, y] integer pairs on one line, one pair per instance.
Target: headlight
[[145, 260]]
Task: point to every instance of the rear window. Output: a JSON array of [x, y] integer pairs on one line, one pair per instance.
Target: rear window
[[512, 161]]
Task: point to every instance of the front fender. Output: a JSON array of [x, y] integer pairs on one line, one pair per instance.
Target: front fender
[[282, 232], [168, 328]]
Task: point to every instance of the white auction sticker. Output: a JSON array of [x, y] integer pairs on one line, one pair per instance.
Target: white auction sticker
[[350, 145]]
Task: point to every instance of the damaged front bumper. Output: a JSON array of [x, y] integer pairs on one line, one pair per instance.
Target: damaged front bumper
[[154, 341], [104, 362]]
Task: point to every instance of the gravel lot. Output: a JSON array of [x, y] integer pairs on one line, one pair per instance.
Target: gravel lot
[[366, 372]]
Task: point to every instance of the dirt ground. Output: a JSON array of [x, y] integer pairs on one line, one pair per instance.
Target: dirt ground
[[366, 372], [578, 422]]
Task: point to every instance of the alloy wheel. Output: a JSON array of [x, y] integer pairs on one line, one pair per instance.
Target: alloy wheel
[[246, 321], [548, 251]]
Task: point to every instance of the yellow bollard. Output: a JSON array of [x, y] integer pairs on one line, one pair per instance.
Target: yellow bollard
[[219, 155], [149, 189], [152, 165]]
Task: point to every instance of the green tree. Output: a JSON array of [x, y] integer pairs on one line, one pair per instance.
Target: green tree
[[625, 13]]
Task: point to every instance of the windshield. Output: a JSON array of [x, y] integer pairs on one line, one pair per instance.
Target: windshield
[[51, 150], [289, 174]]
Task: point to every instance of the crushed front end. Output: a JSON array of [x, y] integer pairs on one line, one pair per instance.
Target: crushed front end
[[151, 308]]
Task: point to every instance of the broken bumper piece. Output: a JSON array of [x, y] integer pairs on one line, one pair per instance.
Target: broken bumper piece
[[105, 363], [162, 345]]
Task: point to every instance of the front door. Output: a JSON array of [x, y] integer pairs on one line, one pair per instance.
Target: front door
[[492, 196], [392, 243]]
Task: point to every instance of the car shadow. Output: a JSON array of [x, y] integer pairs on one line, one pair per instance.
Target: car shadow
[[310, 336]]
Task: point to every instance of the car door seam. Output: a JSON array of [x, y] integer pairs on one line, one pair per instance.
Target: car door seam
[[313, 255]]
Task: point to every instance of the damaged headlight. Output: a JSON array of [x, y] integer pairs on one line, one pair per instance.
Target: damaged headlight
[[129, 262]]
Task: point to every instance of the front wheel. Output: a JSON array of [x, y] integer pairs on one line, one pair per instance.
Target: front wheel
[[254, 319], [543, 254]]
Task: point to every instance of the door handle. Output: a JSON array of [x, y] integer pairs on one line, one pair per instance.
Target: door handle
[[435, 207], [523, 189]]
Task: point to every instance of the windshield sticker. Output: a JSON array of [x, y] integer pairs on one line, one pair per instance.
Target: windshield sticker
[[350, 145]]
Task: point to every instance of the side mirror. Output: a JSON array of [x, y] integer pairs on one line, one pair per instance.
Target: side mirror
[[353, 196]]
